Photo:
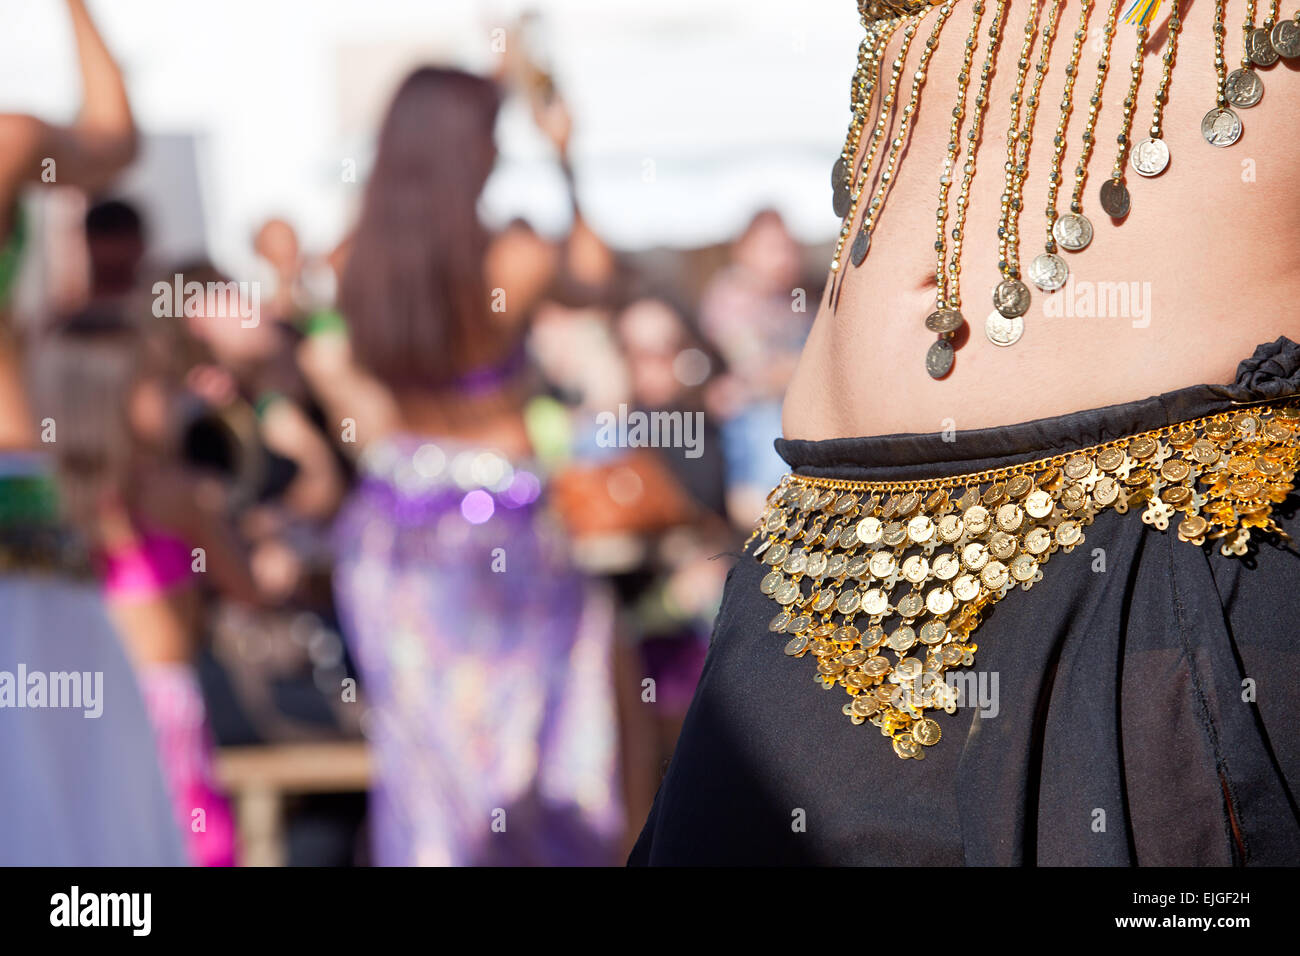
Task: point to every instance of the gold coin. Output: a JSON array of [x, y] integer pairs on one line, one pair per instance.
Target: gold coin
[[875, 602], [890, 508], [1038, 504], [1277, 431], [1143, 447], [872, 636], [909, 668], [845, 635], [853, 658], [1068, 533], [1023, 568], [936, 501], [1175, 470], [771, 582], [938, 602], [779, 622], [830, 668], [823, 648], [1109, 459], [894, 534], [974, 556], [865, 706], [796, 645], [1038, 540], [946, 566], [845, 504], [1241, 465], [1176, 496], [994, 575], [799, 624], [1019, 486], [920, 529], [905, 746], [908, 503], [869, 530], [902, 639], [996, 494], [926, 731], [1217, 429], [933, 632], [1205, 452], [1010, 517], [950, 528], [882, 564], [1002, 545], [848, 602], [1268, 467], [788, 594], [915, 568], [1077, 466], [877, 666], [966, 588], [823, 601], [911, 605], [1073, 497], [1105, 491], [977, 519], [1246, 489]]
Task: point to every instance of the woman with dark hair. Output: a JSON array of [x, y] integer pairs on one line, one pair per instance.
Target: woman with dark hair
[[89, 791], [486, 659]]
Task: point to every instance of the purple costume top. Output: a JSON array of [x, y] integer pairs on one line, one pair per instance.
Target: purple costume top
[[485, 662]]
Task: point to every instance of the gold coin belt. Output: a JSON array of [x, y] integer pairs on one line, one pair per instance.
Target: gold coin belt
[[860, 571]]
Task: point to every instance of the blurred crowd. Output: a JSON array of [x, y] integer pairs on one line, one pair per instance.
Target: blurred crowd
[[463, 498]]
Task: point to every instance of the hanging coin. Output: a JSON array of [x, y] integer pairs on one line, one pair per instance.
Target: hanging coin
[[1259, 47], [944, 320], [938, 358], [1073, 231], [1286, 38], [858, 254], [1011, 298], [841, 201], [1150, 157], [1048, 271], [1221, 127], [1244, 88], [1115, 198], [1003, 331], [839, 173]]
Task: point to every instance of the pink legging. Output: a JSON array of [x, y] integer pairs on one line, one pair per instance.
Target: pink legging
[[180, 726]]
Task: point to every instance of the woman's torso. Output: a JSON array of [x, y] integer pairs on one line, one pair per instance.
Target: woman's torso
[[1203, 267]]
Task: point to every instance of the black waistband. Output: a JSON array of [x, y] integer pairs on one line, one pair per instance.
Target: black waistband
[[1273, 372]]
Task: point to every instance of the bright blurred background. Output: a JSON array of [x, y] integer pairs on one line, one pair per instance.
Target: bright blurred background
[[691, 249]]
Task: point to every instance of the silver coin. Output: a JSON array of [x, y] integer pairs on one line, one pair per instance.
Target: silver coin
[[1011, 297], [1115, 198], [944, 320], [1286, 38], [1150, 157], [1259, 47], [1003, 331], [839, 173], [860, 246], [1048, 271], [1072, 231], [1244, 88], [1221, 127], [841, 201], [938, 358]]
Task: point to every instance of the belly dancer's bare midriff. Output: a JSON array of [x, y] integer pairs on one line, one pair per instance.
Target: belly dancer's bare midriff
[[1204, 266]]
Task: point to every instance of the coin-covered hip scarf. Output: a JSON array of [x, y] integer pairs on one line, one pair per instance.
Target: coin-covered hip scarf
[[883, 556]]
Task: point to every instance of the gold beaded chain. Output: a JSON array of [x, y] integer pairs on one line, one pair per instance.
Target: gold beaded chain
[[1011, 297], [944, 320], [1013, 136], [1049, 271], [1221, 126], [1115, 198], [1150, 157], [1073, 231], [865, 82], [954, 147], [972, 143], [862, 242]]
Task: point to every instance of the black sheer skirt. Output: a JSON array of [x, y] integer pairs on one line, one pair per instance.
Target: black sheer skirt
[[1140, 705]]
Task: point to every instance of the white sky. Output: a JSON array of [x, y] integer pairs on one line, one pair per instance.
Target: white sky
[[737, 103]]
